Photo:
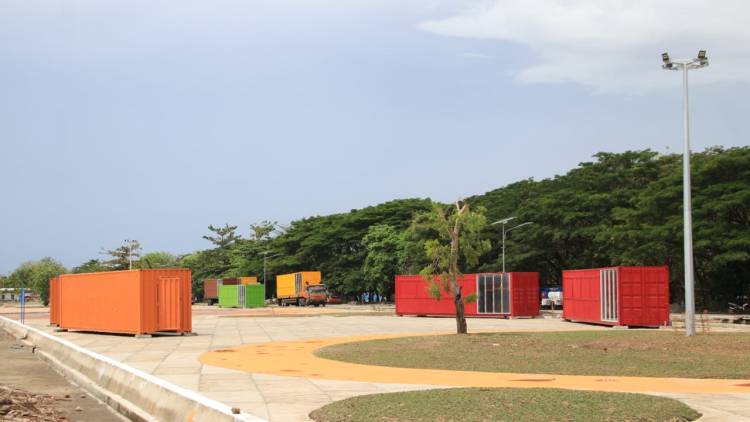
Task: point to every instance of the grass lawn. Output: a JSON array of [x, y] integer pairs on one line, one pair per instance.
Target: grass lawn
[[505, 404], [634, 353]]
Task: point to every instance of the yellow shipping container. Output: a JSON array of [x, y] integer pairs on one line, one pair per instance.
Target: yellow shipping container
[[249, 280], [294, 285]]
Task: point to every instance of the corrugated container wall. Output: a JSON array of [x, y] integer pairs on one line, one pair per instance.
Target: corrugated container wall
[[210, 289], [242, 296], [255, 295], [134, 302], [228, 296], [497, 295], [54, 301], [211, 286], [629, 296]]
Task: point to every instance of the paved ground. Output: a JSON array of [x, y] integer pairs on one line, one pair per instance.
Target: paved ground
[[297, 358], [29, 373], [285, 398]]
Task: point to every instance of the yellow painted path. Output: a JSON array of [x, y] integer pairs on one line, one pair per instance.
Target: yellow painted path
[[296, 359]]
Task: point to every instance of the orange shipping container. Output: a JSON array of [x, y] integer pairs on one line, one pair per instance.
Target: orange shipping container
[[249, 280], [133, 302]]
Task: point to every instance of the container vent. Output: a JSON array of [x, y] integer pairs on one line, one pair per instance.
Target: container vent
[[608, 294], [241, 296]]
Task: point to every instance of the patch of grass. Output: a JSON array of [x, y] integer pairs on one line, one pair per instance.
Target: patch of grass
[[623, 353], [505, 404]]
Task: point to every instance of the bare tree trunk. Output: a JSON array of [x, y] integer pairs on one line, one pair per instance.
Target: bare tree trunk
[[460, 313], [453, 270]]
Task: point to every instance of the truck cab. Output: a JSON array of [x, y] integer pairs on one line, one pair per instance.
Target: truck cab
[[316, 295]]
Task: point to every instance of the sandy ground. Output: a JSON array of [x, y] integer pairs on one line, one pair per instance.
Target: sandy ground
[[23, 370]]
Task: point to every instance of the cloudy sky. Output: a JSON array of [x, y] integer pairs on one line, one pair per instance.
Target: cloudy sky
[[151, 119]]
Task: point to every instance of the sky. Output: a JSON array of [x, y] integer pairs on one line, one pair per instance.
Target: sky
[[151, 119]]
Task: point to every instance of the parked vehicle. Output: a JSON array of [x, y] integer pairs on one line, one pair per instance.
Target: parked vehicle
[[551, 297], [736, 308], [334, 299], [301, 289]]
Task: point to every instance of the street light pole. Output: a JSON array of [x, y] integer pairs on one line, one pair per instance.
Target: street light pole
[[129, 244], [505, 221], [685, 65], [503, 248], [265, 258]]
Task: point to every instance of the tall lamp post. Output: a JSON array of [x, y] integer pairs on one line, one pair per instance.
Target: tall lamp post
[[131, 247], [684, 65], [505, 221], [265, 258]]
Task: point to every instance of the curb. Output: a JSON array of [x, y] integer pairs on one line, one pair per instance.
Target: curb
[[133, 393]]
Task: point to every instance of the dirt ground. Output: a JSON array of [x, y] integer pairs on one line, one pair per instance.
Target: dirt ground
[[21, 369]]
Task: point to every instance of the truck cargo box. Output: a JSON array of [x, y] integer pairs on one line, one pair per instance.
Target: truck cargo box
[[498, 295], [133, 302], [630, 296]]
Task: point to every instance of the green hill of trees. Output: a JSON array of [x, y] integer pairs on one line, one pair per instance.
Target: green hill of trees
[[619, 209]]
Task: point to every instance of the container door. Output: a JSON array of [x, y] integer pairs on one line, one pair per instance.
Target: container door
[[493, 293], [168, 303], [241, 296], [504, 293], [608, 294], [481, 294], [298, 284]]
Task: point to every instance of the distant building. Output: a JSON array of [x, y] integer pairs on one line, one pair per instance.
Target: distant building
[[13, 294]]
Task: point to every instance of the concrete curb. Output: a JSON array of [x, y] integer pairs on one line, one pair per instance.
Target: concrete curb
[[131, 392]]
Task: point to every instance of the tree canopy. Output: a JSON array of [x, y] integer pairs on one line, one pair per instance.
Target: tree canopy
[[36, 275], [617, 209]]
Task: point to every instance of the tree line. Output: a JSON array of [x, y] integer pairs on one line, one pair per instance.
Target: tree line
[[618, 209]]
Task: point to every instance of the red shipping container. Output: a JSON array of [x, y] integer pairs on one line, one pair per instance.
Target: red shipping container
[[133, 302], [498, 295], [211, 288], [628, 296]]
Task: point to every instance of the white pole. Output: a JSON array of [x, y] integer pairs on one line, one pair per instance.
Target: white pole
[[688, 220], [503, 248]]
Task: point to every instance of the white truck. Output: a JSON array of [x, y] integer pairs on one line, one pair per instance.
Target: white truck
[[552, 300]]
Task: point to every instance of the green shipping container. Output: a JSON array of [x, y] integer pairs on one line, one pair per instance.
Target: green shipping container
[[229, 296], [242, 296], [255, 295]]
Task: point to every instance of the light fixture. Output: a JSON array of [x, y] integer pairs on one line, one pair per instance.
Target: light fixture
[[665, 59]]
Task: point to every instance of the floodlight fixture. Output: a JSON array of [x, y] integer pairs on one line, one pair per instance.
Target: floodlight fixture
[[665, 59]]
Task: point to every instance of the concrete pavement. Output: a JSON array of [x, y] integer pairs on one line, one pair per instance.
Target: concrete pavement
[[288, 398], [176, 358]]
